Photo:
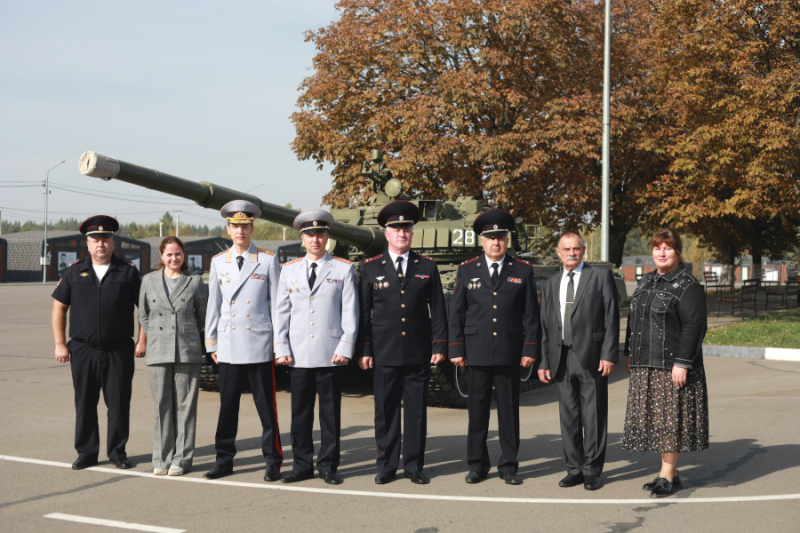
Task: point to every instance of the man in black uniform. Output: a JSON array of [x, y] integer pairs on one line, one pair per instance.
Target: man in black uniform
[[101, 292], [494, 330], [400, 339]]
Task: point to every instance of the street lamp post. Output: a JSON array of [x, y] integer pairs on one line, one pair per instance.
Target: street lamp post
[[46, 195]]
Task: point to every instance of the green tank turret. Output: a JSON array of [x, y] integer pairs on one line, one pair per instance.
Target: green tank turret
[[444, 233]]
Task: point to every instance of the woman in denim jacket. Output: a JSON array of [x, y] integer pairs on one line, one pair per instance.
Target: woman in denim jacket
[[667, 394]]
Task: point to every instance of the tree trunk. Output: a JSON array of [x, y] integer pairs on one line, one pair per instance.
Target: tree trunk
[[758, 265]]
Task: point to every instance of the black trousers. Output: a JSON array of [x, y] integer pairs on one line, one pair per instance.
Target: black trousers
[[479, 384], [306, 384], [583, 410], [261, 377], [391, 384], [93, 370]]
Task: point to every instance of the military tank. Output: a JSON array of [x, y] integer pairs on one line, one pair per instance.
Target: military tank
[[443, 233]]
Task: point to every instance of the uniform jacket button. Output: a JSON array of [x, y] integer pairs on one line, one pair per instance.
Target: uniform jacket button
[[233, 302], [494, 333], [494, 320], [402, 305], [312, 335], [248, 327], [234, 327], [312, 297], [248, 314], [402, 320], [402, 292], [233, 314], [248, 301], [312, 311], [494, 306], [312, 323], [404, 333]]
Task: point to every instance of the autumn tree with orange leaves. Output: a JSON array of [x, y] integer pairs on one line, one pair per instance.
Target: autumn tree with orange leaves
[[729, 79], [500, 100]]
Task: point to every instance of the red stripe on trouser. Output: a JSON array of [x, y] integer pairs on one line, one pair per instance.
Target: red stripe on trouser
[[275, 412], [377, 451]]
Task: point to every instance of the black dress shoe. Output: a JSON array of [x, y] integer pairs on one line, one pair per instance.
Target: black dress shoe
[[385, 477], [293, 476], [676, 482], [474, 477], [591, 482], [123, 463], [84, 462], [663, 488], [571, 480], [511, 479], [331, 478], [219, 471], [273, 473], [418, 477]]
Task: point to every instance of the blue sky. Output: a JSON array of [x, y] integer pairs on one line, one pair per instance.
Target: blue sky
[[201, 90]]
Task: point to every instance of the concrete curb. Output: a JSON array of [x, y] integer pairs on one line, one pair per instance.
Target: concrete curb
[[742, 352]]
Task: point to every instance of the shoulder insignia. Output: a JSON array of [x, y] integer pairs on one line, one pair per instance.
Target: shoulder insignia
[[373, 258], [521, 261], [265, 251], [131, 264], [428, 258], [76, 261], [293, 261], [345, 261], [470, 261], [219, 254]]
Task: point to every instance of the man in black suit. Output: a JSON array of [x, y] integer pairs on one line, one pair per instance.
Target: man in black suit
[[400, 339], [580, 342], [494, 331]]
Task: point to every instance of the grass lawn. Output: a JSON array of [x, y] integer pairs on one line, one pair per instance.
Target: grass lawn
[[781, 330]]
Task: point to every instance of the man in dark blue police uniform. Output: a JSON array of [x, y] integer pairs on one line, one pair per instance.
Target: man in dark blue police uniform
[[494, 331], [400, 339], [100, 292]]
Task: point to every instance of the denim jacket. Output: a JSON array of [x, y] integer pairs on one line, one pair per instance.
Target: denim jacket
[[667, 321]]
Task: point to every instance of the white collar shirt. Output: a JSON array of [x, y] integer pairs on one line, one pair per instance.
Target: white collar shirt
[[562, 293], [394, 257], [308, 261], [489, 264]]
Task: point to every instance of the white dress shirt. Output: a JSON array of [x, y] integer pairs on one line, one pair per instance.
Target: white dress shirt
[[562, 292], [394, 257], [489, 264]]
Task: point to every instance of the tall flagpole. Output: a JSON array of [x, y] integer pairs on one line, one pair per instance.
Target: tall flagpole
[[605, 215]]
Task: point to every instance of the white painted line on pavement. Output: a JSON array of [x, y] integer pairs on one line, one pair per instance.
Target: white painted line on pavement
[[112, 523], [781, 354], [402, 496]]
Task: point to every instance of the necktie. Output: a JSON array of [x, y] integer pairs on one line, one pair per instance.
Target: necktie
[[240, 261], [495, 275], [568, 310], [313, 277], [400, 267]]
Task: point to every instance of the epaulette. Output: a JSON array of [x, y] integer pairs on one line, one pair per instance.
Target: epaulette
[[131, 264], [265, 251], [219, 254], [521, 261], [428, 258], [76, 261], [373, 259], [470, 261], [293, 261], [345, 261]]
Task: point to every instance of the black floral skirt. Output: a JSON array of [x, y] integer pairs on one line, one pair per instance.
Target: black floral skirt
[[662, 418]]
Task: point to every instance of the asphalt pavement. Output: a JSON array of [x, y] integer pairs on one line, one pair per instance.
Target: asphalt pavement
[[746, 481]]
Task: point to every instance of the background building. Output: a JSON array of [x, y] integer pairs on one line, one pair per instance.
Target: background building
[[63, 247]]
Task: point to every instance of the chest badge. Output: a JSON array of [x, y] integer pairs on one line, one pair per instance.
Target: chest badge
[[84, 274]]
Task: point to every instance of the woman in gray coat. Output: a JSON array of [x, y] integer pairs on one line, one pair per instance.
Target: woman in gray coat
[[172, 310]]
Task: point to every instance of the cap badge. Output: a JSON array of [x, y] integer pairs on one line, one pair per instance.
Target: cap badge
[[100, 228], [315, 222], [401, 217], [495, 226]]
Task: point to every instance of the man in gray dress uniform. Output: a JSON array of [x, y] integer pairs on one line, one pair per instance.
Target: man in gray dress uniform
[[242, 284], [316, 318]]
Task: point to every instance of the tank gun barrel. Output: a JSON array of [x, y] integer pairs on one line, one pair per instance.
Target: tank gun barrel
[[212, 196]]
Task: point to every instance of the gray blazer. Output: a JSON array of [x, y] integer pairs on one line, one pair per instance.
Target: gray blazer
[[173, 321], [595, 319]]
